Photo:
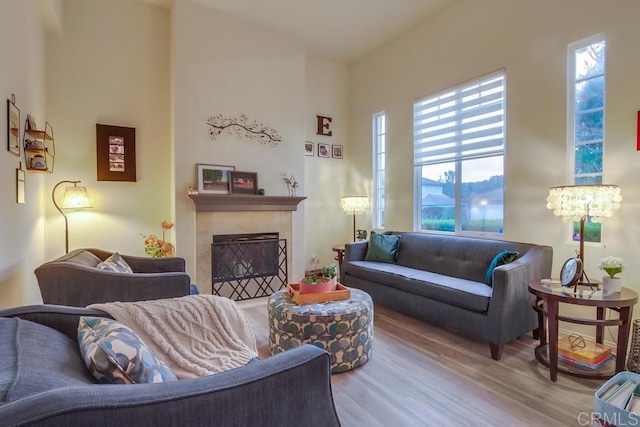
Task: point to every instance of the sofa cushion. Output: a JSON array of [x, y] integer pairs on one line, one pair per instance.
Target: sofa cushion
[[83, 258], [502, 258], [115, 355], [382, 248], [451, 290], [116, 264], [35, 358]]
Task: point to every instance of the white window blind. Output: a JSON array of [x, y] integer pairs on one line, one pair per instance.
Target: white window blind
[[463, 123]]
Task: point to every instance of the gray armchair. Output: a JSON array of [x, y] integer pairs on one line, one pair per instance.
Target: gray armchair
[[74, 279], [46, 383]]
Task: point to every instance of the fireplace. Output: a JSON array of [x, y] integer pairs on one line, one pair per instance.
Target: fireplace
[[250, 265]]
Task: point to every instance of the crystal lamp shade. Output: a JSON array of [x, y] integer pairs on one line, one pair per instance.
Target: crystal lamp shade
[[584, 202], [76, 197], [354, 204]]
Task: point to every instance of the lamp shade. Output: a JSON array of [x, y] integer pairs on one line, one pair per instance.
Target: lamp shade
[[354, 204], [582, 202], [76, 197]]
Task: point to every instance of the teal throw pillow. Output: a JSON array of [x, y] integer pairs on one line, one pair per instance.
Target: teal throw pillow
[[115, 355], [504, 257], [382, 248], [116, 264]]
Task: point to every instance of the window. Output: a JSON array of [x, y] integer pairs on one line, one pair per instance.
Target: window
[[459, 143], [586, 119], [379, 149]]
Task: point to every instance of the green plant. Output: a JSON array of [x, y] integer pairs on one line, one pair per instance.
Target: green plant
[[314, 280], [330, 271]]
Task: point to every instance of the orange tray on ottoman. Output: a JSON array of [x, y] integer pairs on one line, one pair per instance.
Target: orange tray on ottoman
[[341, 292]]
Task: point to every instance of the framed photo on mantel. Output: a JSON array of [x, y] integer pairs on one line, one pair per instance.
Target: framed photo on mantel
[[116, 153]]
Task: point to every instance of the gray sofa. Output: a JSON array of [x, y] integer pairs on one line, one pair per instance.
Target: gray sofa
[[74, 280], [44, 382], [441, 279]]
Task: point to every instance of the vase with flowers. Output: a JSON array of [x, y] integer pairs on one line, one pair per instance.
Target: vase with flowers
[[158, 248], [612, 266]]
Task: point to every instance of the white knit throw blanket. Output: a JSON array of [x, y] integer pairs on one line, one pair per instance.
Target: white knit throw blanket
[[195, 335]]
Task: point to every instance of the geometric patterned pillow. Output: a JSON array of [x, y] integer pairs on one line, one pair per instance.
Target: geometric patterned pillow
[[115, 263], [115, 355]]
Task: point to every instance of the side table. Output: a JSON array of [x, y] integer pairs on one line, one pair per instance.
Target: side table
[[548, 299], [339, 256]]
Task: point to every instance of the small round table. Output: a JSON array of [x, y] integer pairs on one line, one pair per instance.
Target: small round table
[[548, 299], [343, 328]]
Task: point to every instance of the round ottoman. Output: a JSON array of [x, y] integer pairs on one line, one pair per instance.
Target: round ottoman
[[343, 328]]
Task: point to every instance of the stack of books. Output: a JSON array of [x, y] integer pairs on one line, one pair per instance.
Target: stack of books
[[624, 395], [592, 356]]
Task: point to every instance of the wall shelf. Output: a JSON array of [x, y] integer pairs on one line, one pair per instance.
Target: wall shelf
[[39, 148]]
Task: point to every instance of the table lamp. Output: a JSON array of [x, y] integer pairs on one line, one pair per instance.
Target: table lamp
[[353, 205], [75, 197], [582, 203]]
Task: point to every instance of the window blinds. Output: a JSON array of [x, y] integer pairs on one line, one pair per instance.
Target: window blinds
[[463, 123]]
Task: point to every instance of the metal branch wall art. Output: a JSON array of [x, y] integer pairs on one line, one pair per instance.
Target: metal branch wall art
[[241, 128]]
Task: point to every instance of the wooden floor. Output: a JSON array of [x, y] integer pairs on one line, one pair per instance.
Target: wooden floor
[[423, 375]]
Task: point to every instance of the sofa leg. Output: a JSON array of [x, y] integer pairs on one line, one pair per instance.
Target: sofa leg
[[536, 334], [496, 351]]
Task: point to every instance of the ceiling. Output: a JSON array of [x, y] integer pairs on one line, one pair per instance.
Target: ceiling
[[340, 29]]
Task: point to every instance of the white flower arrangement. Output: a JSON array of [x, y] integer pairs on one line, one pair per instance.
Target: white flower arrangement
[[612, 265]]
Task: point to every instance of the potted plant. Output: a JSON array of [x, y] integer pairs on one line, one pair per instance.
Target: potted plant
[[313, 284], [612, 265], [330, 271]]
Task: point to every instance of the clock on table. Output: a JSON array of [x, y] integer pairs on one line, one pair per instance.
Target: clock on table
[[571, 272]]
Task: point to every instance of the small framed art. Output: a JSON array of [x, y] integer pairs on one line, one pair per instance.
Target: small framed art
[[308, 148], [13, 126], [214, 179], [336, 151], [116, 153], [243, 182], [323, 150], [20, 185]]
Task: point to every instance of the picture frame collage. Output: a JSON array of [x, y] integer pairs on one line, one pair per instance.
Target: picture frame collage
[[224, 179], [323, 150]]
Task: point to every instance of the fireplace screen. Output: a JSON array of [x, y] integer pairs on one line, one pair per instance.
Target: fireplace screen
[[245, 266]]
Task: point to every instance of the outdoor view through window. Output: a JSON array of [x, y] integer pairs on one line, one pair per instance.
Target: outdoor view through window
[[586, 107], [458, 157]]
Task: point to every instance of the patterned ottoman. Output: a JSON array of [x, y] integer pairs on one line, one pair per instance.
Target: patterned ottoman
[[343, 328]]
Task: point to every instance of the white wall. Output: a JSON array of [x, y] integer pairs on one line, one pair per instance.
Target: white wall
[[110, 65], [22, 47], [326, 178], [225, 66], [530, 39]]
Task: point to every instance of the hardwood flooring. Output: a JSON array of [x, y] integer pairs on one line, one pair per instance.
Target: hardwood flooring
[[423, 375]]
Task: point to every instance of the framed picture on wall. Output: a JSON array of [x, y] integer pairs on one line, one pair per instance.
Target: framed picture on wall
[[336, 151], [243, 182], [308, 148], [214, 179], [116, 153], [323, 150]]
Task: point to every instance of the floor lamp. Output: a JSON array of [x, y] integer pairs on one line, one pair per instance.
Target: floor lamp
[[353, 205], [75, 197], [582, 203]]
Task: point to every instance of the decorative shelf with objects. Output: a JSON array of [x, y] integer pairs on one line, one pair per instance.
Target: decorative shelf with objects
[[39, 147]]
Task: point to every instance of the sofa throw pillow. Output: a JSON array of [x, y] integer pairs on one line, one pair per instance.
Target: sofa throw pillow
[[116, 264], [115, 355], [503, 257], [382, 248]]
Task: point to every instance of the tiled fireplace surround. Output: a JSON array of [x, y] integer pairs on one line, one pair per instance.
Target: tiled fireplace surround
[[232, 214]]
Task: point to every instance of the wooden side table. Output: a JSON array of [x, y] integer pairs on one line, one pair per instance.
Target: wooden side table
[[547, 304], [340, 255]]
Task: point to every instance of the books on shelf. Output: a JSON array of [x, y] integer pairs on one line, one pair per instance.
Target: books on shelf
[[597, 364], [590, 354]]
